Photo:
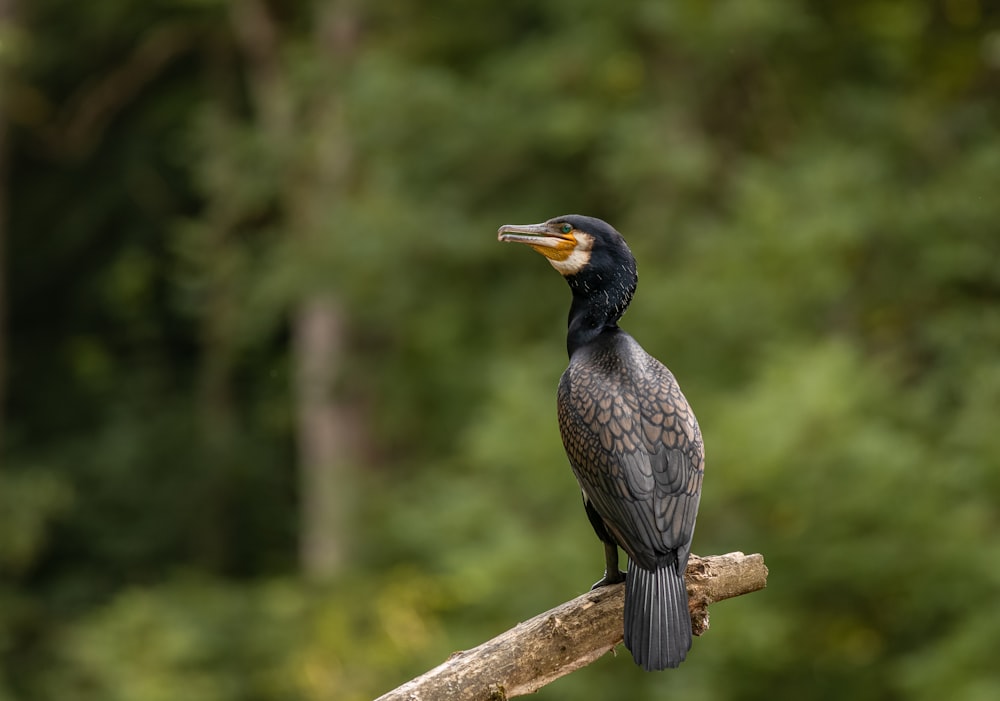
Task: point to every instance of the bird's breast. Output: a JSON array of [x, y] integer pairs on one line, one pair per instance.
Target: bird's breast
[[616, 399]]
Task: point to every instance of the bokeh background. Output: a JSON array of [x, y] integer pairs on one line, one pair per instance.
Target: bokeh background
[[279, 411]]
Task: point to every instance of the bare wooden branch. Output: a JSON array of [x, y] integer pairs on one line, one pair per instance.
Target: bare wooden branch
[[572, 635]]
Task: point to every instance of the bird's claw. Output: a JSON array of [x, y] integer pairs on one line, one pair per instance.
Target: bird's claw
[[607, 579]]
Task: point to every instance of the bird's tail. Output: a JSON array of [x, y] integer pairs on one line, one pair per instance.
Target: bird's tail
[[657, 620]]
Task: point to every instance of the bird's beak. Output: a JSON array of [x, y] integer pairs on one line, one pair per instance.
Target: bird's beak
[[538, 236]]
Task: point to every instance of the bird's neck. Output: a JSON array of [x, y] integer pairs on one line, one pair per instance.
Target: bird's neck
[[598, 304]]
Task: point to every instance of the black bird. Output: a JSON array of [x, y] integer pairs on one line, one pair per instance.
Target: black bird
[[632, 440]]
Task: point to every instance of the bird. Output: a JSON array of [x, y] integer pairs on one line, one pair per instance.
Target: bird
[[631, 437]]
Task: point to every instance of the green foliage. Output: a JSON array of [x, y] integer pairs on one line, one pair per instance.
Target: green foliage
[[199, 638], [29, 502], [809, 190]]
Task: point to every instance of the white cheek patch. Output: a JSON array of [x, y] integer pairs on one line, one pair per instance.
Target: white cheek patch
[[579, 257], [572, 264]]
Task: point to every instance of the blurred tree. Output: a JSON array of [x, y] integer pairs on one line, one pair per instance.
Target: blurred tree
[[308, 193], [8, 37]]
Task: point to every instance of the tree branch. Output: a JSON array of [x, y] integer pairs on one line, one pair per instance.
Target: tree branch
[[572, 635], [91, 109]]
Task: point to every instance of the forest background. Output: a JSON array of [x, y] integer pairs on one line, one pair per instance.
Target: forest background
[[279, 411]]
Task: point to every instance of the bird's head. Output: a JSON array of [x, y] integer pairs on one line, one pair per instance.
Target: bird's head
[[595, 261], [574, 244]]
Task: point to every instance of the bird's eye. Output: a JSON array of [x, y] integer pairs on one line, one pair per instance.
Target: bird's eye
[[566, 228]]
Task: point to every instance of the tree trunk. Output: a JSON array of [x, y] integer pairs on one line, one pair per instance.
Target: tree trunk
[[328, 441], [217, 420], [326, 434], [324, 437], [6, 20]]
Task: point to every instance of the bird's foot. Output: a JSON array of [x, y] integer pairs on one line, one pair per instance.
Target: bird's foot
[[609, 578]]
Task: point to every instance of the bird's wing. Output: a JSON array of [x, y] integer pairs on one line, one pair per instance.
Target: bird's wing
[[636, 450]]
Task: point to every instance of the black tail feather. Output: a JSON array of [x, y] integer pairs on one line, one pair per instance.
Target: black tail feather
[[657, 620]]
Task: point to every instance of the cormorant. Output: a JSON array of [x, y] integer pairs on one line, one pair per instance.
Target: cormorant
[[630, 435]]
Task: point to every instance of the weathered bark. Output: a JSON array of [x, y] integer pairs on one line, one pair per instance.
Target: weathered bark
[[572, 635]]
